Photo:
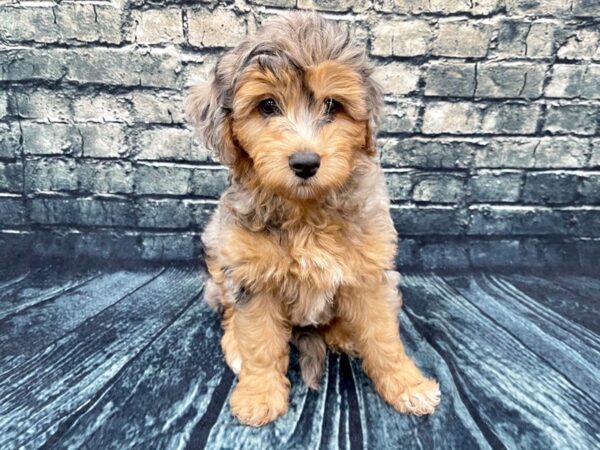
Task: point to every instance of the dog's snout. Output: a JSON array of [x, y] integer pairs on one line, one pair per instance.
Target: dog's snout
[[305, 164]]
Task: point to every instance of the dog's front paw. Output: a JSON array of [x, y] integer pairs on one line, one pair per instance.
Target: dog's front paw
[[257, 405], [419, 399]]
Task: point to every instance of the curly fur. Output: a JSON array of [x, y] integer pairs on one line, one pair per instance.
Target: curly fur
[[285, 252]]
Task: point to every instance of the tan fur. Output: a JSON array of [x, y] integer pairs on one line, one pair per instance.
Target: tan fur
[[285, 252]]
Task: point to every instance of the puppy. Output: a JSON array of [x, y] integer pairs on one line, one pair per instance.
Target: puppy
[[301, 247]]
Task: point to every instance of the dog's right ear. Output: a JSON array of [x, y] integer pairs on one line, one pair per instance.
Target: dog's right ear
[[207, 110]]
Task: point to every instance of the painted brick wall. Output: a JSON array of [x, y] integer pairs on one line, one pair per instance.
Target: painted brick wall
[[491, 138]]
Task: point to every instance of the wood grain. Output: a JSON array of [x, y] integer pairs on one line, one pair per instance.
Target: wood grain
[[130, 358]]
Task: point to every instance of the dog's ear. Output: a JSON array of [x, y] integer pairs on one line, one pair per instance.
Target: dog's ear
[[374, 105], [207, 109]]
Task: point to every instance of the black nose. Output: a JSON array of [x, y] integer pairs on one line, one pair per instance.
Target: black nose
[[305, 164]]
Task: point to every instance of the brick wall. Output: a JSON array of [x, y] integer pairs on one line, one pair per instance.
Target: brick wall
[[490, 139]]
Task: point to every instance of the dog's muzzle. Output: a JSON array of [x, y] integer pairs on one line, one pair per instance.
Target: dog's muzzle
[[305, 164]]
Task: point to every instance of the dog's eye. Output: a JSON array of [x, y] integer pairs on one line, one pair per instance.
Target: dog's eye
[[332, 106], [268, 107]]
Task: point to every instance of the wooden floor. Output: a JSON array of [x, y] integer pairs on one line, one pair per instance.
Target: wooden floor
[[129, 358]]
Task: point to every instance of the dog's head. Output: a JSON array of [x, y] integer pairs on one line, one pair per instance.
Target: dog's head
[[291, 108]]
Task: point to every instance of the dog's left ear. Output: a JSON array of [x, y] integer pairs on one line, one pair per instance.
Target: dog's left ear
[[374, 105], [207, 109]]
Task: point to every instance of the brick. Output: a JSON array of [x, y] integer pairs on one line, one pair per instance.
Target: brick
[[542, 253], [589, 189], [12, 210], [170, 247], [209, 183], [399, 184], [10, 135], [504, 80], [450, 154], [11, 177], [595, 155], [102, 140], [550, 188], [82, 211], [156, 26], [585, 8], [580, 119], [406, 254], [538, 7], [3, 104], [570, 81], [445, 255], [101, 107], [469, 118], [14, 245], [450, 79], [328, 5], [41, 104], [151, 107], [89, 23], [28, 24], [507, 153], [123, 66], [278, 3], [201, 211], [511, 118], [219, 28], [403, 6], [62, 23], [162, 179], [478, 7], [400, 117], [462, 39], [587, 221], [438, 187], [495, 186], [94, 177], [518, 220], [561, 152], [32, 64], [494, 254], [106, 244], [170, 144], [165, 213], [407, 38], [533, 39], [589, 254], [51, 174], [583, 45], [454, 118], [105, 177], [198, 71], [51, 139], [397, 78], [430, 220]]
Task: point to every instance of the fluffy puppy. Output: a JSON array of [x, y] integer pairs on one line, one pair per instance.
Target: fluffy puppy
[[302, 246]]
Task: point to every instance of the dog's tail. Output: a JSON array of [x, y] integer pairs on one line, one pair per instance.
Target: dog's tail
[[312, 350]]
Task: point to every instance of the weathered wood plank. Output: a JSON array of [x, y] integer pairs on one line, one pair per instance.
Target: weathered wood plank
[[451, 426], [524, 402], [574, 297], [301, 427], [47, 393], [161, 395], [36, 327], [539, 329], [38, 286]]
